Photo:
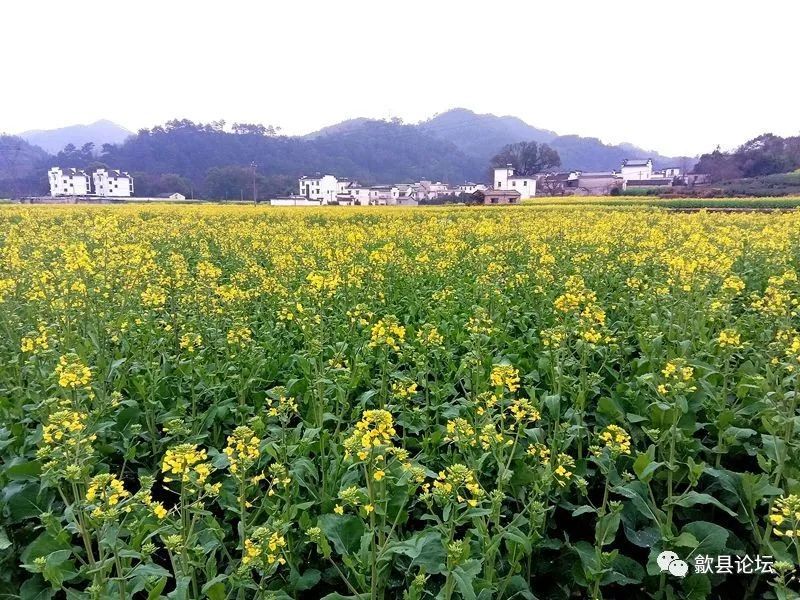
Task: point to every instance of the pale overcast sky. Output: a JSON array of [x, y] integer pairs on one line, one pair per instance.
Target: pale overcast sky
[[674, 76]]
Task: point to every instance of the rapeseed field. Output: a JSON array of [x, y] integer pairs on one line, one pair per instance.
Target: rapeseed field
[[476, 403]]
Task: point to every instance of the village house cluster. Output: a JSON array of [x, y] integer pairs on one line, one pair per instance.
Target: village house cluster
[[633, 174], [329, 189], [77, 182], [505, 188]]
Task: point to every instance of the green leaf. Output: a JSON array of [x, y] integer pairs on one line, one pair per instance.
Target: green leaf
[[606, 528], [693, 498], [306, 581], [711, 538], [35, 588], [645, 466], [425, 550], [155, 591], [344, 531], [58, 568], [685, 540], [148, 570], [626, 571], [697, 587], [215, 589], [582, 510], [42, 546], [4, 541], [638, 494], [465, 575], [19, 469], [588, 556], [181, 591], [25, 500], [515, 535]]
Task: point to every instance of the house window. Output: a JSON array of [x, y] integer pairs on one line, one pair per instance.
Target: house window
[[499, 184], [525, 183]]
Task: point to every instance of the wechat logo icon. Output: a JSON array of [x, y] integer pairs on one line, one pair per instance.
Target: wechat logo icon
[[669, 561]]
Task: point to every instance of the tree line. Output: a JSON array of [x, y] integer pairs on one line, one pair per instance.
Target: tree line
[[766, 154]]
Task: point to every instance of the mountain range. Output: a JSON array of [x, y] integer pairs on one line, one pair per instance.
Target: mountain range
[[481, 136], [453, 146], [98, 133]]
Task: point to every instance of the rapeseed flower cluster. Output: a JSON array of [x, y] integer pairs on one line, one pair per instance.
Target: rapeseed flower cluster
[[505, 376], [242, 450], [72, 373], [729, 338], [523, 412], [104, 494], [428, 336], [678, 378], [239, 336], [456, 483], [36, 343], [785, 516], [616, 440], [191, 342], [264, 548], [372, 435], [780, 297], [387, 333], [187, 464], [459, 431], [67, 445], [403, 389], [283, 407]]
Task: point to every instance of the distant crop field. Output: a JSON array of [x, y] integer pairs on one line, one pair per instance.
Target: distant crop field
[[622, 201], [363, 403]]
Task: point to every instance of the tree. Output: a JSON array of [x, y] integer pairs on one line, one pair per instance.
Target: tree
[[527, 158]]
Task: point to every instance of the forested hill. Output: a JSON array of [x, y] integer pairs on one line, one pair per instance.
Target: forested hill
[[213, 160], [481, 136], [376, 152]]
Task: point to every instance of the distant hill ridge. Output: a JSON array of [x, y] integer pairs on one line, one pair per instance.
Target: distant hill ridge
[[454, 146], [481, 136], [99, 133]]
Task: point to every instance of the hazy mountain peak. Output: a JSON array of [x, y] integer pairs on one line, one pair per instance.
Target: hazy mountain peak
[[99, 133]]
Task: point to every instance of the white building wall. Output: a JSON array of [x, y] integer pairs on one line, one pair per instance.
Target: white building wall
[[111, 185], [66, 184], [504, 179], [501, 175], [322, 188], [637, 172], [526, 186], [360, 195]]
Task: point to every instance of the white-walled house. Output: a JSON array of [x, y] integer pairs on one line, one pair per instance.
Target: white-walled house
[[68, 182], [359, 194], [322, 187], [112, 183], [669, 172], [468, 187], [639, 169], [504, 179], [383, 194]]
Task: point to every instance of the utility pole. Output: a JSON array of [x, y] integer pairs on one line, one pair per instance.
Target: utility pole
[[253, 165]]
